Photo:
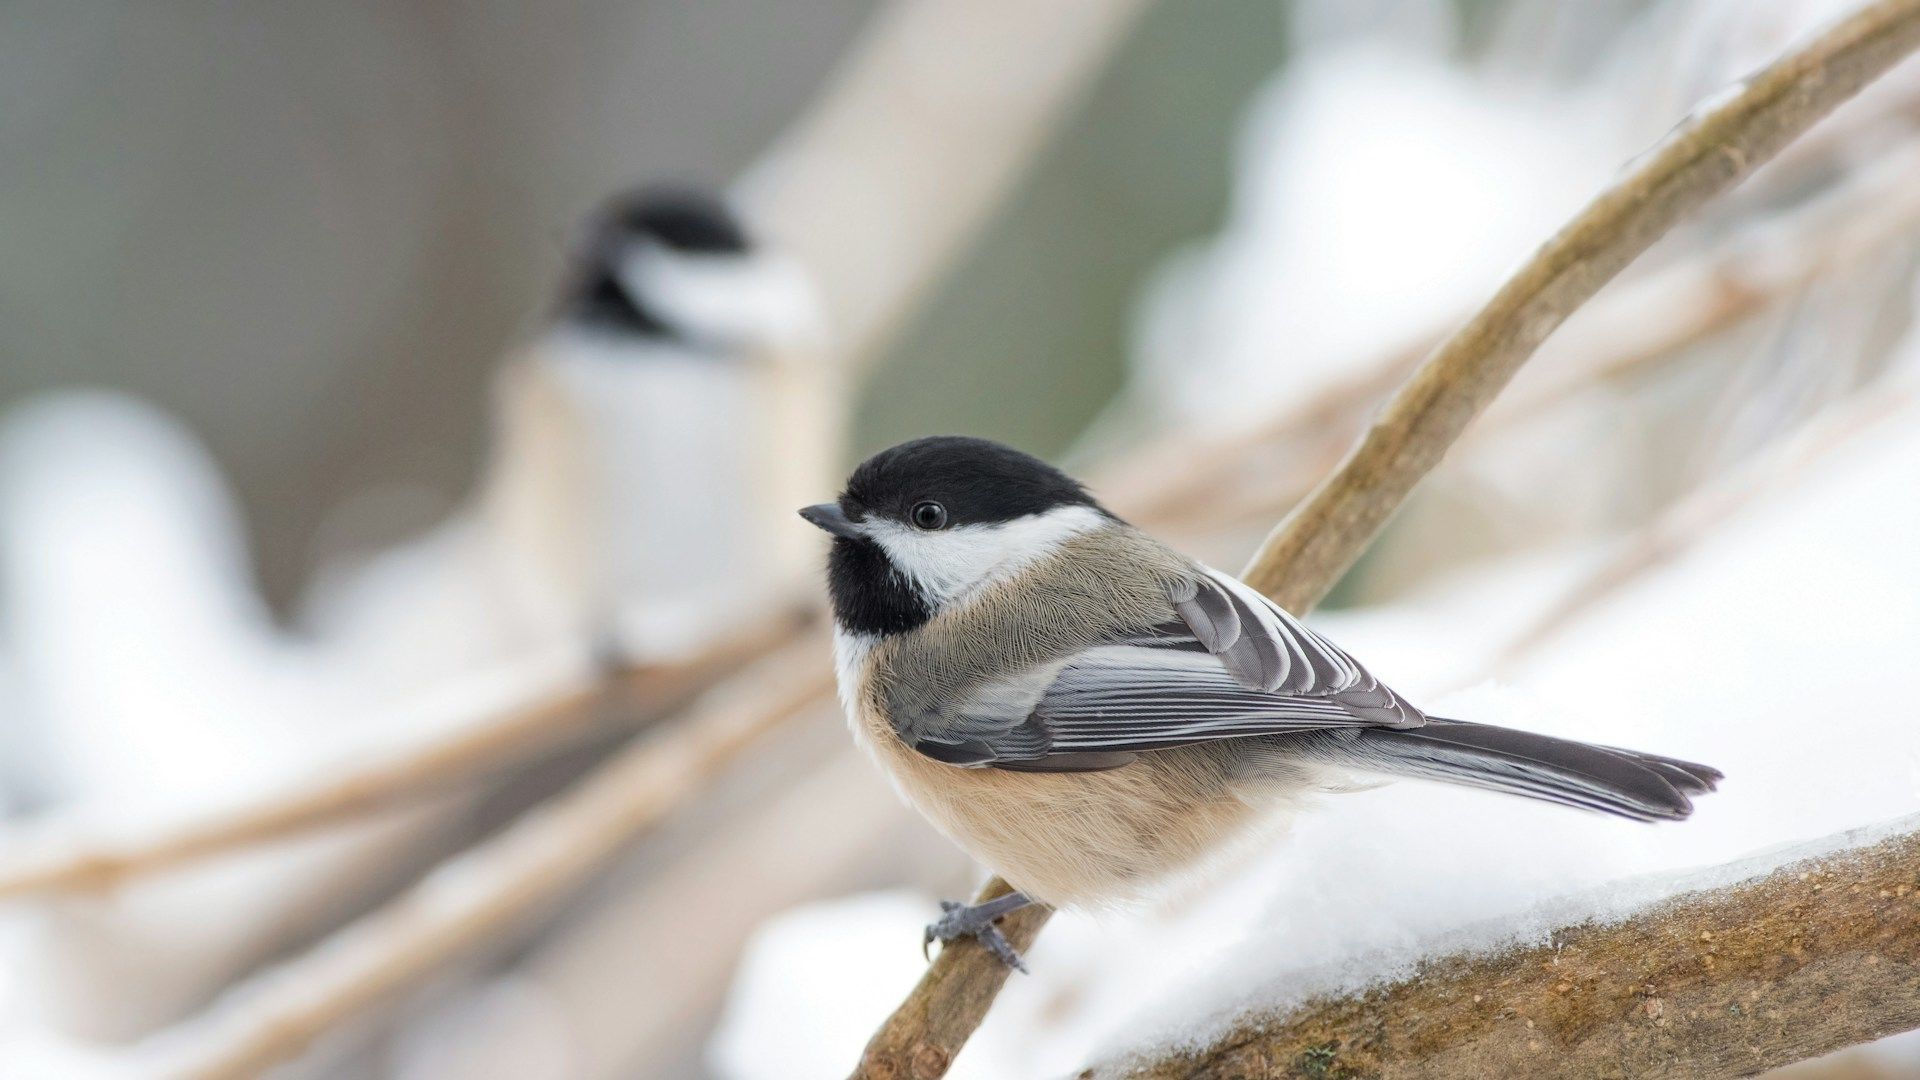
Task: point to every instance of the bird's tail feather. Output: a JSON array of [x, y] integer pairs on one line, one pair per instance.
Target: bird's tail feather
[[1608, 780]]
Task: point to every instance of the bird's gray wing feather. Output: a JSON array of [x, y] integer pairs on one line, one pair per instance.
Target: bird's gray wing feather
[[1278, 654], [1232, 665]]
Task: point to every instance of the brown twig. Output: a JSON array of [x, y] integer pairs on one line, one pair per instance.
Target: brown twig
[[1636, 324], [60, 862], [1665, 538], [470, 899], [1309, 551], [1707, 154], [1802, 956]]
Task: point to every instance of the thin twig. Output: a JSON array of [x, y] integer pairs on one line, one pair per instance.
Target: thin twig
[[468, 900], [1803, 955], [1640, 322], [57, 861], [1707, 154], [1671, 534], [1309, 551]]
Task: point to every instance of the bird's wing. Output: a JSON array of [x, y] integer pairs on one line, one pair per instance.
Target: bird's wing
[[1231, 665]]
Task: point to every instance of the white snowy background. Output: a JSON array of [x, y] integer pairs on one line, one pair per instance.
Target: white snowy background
[[1751, 501]]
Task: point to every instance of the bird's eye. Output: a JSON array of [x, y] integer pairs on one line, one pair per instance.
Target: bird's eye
[[929, 516]]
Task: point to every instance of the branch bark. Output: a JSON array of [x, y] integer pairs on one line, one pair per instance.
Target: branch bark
[[1813, 953], [1309, 550]]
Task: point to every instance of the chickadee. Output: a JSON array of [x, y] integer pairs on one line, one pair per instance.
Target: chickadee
[[1090, 713], [681, 395], [676, 403]]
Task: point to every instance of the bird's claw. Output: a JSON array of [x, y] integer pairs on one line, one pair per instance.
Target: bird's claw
[[958, 920]]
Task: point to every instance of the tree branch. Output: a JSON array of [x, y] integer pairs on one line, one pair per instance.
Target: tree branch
[[1675, 531], [1308, 552], [1707, 154], [1635, 324], [471, 898], [55, 861], [1724, 973]]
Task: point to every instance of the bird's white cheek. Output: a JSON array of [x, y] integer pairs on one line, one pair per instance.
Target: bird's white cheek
[[729, 299], [947, 564], [942, 565]]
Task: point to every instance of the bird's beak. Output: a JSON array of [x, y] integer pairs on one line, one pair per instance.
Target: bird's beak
[[830, 517]]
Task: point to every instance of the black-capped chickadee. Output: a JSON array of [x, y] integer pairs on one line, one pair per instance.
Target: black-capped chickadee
[[678, 401], [690, 368], [1091, 714]]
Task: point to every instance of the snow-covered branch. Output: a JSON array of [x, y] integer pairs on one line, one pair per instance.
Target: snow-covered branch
[[1726, 972], [1308, 552]]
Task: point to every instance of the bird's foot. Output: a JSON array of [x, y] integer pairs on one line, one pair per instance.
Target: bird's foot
[[976, 921]]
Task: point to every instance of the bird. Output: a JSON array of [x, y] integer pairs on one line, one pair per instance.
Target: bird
[[1094, 715], [677, 399]]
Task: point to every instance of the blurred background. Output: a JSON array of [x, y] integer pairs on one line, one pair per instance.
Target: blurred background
[[309, 457]]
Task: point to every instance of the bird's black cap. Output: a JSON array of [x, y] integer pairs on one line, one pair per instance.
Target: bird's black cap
[[974, 481], [977, 481], [681, 219]]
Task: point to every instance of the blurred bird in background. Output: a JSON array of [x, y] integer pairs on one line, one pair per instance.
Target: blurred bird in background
[[642, 441]]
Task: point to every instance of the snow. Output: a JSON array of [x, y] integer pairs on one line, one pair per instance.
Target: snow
[[123, 564], [1616, 902], [815, 977], [152, 687]]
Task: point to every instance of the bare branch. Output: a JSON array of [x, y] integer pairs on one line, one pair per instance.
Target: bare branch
[[1640, 322], [473, 898], [55, 862], [1805, 953], [1673, 532], [1307, 553], [1707, 154]]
